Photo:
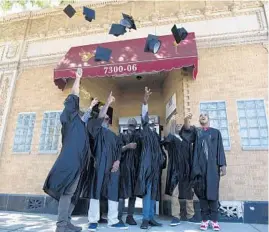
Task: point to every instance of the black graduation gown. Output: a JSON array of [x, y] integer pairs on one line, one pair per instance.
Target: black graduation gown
[[208, 157], [179, 165], [151, 163], [106, 150], [73, 156], [129, 165]]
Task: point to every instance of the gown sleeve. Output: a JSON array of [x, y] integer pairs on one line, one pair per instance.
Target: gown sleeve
[[71, 108], [221, 159], [94, 126], [195, 170], [145, 115]]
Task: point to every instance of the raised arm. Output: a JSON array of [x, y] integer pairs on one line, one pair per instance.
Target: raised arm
[[87, 114], [75, 88], [187, 121], [145, 102], [104, 109]]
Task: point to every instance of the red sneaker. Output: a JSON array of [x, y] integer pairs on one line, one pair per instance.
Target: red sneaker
[[215, 226], [204, 225]]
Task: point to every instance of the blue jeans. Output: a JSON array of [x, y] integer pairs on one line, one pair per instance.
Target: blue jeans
[[148, 205]]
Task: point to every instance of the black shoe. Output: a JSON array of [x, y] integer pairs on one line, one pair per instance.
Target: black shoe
[[152, 222], [192, 220], [144, 225], [120, 221], [102, 221], [130, 220]]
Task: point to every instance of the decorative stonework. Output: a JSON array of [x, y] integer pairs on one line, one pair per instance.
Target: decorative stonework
[[7, 83], [4, 87], [12, 50], [2, 49], [232, 209], [41, 23], [265, 45], [253, 29], [186, 93]]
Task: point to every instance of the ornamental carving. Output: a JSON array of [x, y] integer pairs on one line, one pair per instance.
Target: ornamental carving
[[12, 51], [2, 49], [4, 87]]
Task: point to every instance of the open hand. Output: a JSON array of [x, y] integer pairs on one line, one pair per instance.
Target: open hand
[[115, 166], [223, 171], [132, 145], [94, 102], [110, 99], [79, 73], [188, 116], [147, 94]]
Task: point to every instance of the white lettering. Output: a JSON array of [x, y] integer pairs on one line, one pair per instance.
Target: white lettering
[[120, 69]]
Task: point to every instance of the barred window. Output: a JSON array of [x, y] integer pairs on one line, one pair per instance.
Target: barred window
[[50, 132], [24, 132], [253, 124], [218, 119]]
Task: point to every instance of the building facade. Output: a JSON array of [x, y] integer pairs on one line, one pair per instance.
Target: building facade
[[231, 85]]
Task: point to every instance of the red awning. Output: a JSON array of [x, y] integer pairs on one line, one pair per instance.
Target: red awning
[[128, 58]]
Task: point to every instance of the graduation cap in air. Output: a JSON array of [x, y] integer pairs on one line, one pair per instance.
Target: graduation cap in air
[[128, 21], [179, 33], [102, 54], [69, 11], [153, 44], [89, 14], [117, 29]]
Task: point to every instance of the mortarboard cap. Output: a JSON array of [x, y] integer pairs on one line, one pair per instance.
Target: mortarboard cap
[[128, 21], [117, 29], [69, 11], [179, 34], [153, 44], [89, 14], [102, 54]]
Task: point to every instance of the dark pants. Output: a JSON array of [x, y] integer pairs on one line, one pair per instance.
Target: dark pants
[[65, 207], [209, 210], [131, 207]]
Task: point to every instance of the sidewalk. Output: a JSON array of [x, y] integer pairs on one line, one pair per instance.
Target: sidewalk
[[11, 221]]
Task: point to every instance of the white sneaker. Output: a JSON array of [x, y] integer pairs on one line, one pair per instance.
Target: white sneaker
[[204, 225], [215, 226]]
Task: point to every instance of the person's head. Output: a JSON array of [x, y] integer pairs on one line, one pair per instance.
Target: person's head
[[152, 124], [132, 123], [204, 119], [106, 121], [178, 128]]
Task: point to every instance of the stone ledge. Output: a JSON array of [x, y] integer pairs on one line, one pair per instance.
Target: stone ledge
[[253, 211]]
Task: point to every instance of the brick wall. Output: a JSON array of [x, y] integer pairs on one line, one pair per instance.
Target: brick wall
[[230, 74], [224, 74]]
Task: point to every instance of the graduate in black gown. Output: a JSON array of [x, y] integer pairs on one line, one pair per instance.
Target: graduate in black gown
[[209, 164], [151, 163], [178, 184], [64, 178], [128, 168], [104, 182]]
